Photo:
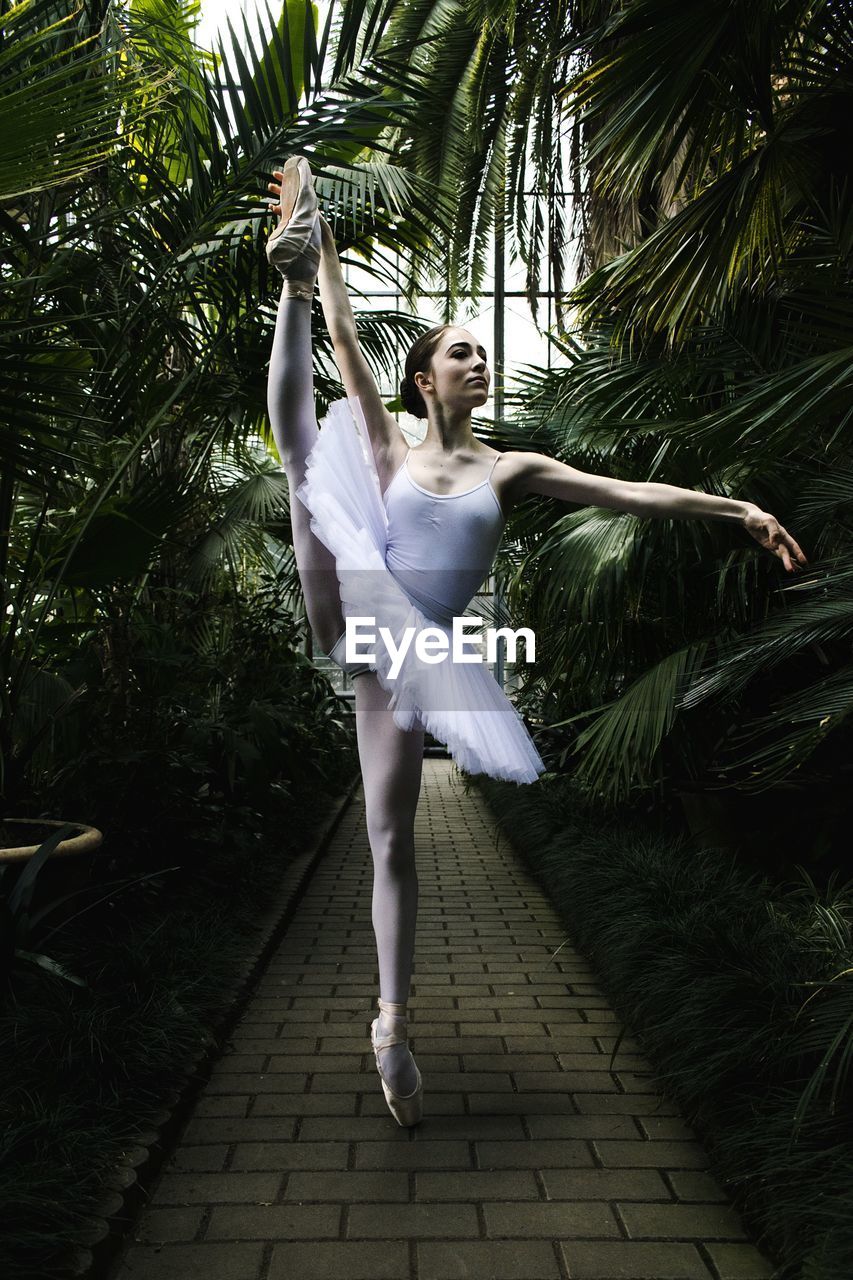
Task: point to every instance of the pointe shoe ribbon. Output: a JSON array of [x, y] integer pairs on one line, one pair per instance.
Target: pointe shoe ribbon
[[294, 247], [408, 1109]]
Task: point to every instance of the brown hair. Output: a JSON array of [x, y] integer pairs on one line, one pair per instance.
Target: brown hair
[[418, 361]]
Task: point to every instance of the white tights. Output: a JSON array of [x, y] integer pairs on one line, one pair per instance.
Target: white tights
[[391, 758]]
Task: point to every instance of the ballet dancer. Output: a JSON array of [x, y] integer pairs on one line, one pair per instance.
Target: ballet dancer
[[409, 536]]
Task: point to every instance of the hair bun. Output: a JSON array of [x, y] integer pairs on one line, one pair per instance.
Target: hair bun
[[418, 361], [411, 399]]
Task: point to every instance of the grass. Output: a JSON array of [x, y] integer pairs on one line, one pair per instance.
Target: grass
[[711, 965]]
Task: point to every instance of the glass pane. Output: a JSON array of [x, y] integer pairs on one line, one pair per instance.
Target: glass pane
[[363, 281], [524, 343]]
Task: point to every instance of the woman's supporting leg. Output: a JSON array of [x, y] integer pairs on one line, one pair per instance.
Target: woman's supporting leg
[[391, 767], [290, 402]]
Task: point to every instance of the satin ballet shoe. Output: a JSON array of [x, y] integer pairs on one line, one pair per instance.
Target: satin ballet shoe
[[407, 1110], [294, 247]]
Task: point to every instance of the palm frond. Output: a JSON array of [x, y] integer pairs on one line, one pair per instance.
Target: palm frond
[[823, 616], [774, 746], [53, 73], [824, 1024], [618, 749]]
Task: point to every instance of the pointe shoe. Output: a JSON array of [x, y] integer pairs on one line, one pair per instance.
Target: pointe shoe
[[294, 247], [406, 1110]]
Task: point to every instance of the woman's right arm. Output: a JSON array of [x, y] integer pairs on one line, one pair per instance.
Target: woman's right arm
[[386, 438]]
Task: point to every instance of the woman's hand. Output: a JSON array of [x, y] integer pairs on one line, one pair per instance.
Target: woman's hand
[[767, 530], [275, 188]]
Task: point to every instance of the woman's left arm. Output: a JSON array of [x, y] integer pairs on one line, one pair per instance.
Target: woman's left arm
[[537, 473]]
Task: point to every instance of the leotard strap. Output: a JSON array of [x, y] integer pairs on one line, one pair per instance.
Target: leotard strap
[[399, 469]]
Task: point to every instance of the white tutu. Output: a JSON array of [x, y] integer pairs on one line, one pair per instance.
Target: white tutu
[[460, 704]]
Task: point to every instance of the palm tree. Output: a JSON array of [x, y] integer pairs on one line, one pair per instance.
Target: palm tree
[[138, 314], [716, 353], [708, 345]]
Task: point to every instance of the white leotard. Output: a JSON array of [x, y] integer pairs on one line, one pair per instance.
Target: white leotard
[[441, 545]]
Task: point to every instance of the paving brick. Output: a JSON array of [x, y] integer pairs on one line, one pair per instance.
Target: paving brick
[[585, 1048], [656, 1155], [192, 1262], [487, 1260], [162, 1226], [551, 1220], [606, 1260], [216, 1188], [539, 1154], [302, 1104], [571, 1126], [637, 1104], [740, 1262], [478, 1185], [413, 1221], [243, 1082], [667, 1127], [599, 1061], [290, 1155], [414, 1155], [507, 1002], [288, 1045], [485, 1103], [318, 1062], [232, 1061], [350, 1260], [696, 1186], [604, 1184], [461, 1044], [230, 1105], [350, 1186], [477, 1027], [682, 1221], [256, 1028], [514, 1062], [232, 1129], [609, 1042], [275, 1222], [563, 1036], [205, 1159], [565, 1081]]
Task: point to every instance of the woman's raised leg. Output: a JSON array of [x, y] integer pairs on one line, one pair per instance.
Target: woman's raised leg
[[290, 402], [391, 768]]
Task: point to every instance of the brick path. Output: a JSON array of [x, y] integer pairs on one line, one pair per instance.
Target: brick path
[[532, 1161]]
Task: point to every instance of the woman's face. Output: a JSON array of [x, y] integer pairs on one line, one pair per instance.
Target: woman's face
[[458, 375]]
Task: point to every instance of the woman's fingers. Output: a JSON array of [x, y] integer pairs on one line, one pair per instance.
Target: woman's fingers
[[778, 539], [789, 545], [275, 187], [767, 530]]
